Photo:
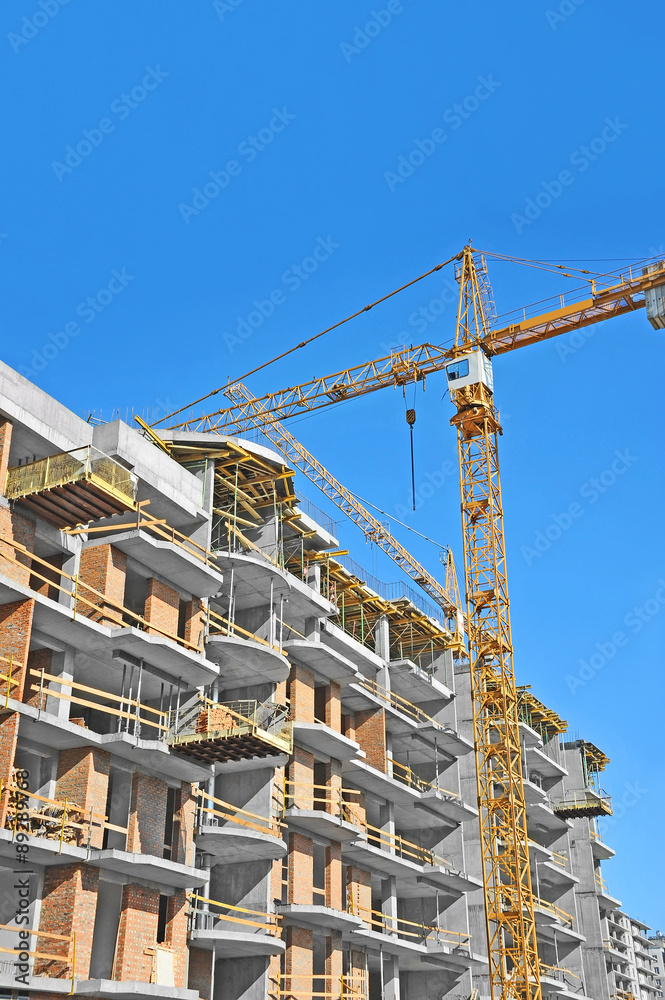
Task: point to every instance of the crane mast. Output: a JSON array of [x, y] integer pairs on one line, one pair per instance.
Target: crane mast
[[511, 930], [514, 970]]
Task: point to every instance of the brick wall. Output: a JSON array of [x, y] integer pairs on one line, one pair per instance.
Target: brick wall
[[301, 779], [301, 694], [15, 527], [333, 861], [371, 736], [200, 967], [298, 961], [147, 815], [333, 781], [15, 630], [176, 934], [183, 848], [8, 739], [301, 869], [194, 618], [334, 966], [105, 568], [83, 778], [358, 891], [333, 707], [69, 902], [137, 933], [38, 659], [162, 607]]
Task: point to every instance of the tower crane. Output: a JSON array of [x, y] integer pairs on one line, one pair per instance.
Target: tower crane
[[514, 970]]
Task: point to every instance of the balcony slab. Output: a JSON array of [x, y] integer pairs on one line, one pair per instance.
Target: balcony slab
[[231, 844], [324, 741], [236, 944], [167, 559], [321, 823], [409, 681], [318, 917], [245, 661], [322, 659]]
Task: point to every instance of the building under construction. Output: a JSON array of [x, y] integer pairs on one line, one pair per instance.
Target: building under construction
[[233, 766]]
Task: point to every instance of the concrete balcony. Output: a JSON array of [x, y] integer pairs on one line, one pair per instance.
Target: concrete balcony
[[318, 918], [410, 681], [230, 844], [244, 659], [50, 852], [541, 820], [321, 658], [107, 988], [604, 895], [233, 931], [166, 553], [323, 824], [414, 808], [323, 741], [68, 626], [533, 793], [541, 763], [362, 657], [48, 730]]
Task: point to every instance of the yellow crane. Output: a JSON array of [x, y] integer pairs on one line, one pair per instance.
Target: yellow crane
[[514, 969]]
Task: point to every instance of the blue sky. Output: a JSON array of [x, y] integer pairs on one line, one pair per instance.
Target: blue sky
[[302, 112]]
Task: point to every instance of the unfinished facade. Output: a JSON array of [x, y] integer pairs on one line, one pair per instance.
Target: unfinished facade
[[232, 766]]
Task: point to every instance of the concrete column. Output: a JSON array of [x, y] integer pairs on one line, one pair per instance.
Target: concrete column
[[387, 823], [390, 977], [313, 629], [382, 649], [389, 903]]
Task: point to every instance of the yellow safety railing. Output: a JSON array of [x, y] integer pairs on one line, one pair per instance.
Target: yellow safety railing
[[47, 956], [219, 625], [105, 607], [201, 913], [302, 795], [556, 971], [59, 819], [600, 882], [386, 924], [544, 904], [397, 702], [560, 859], [582, 800], [10, 680], [403, 848], [302, 986], [142, 714], [409, 777], [227, 812], [153, 526]]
